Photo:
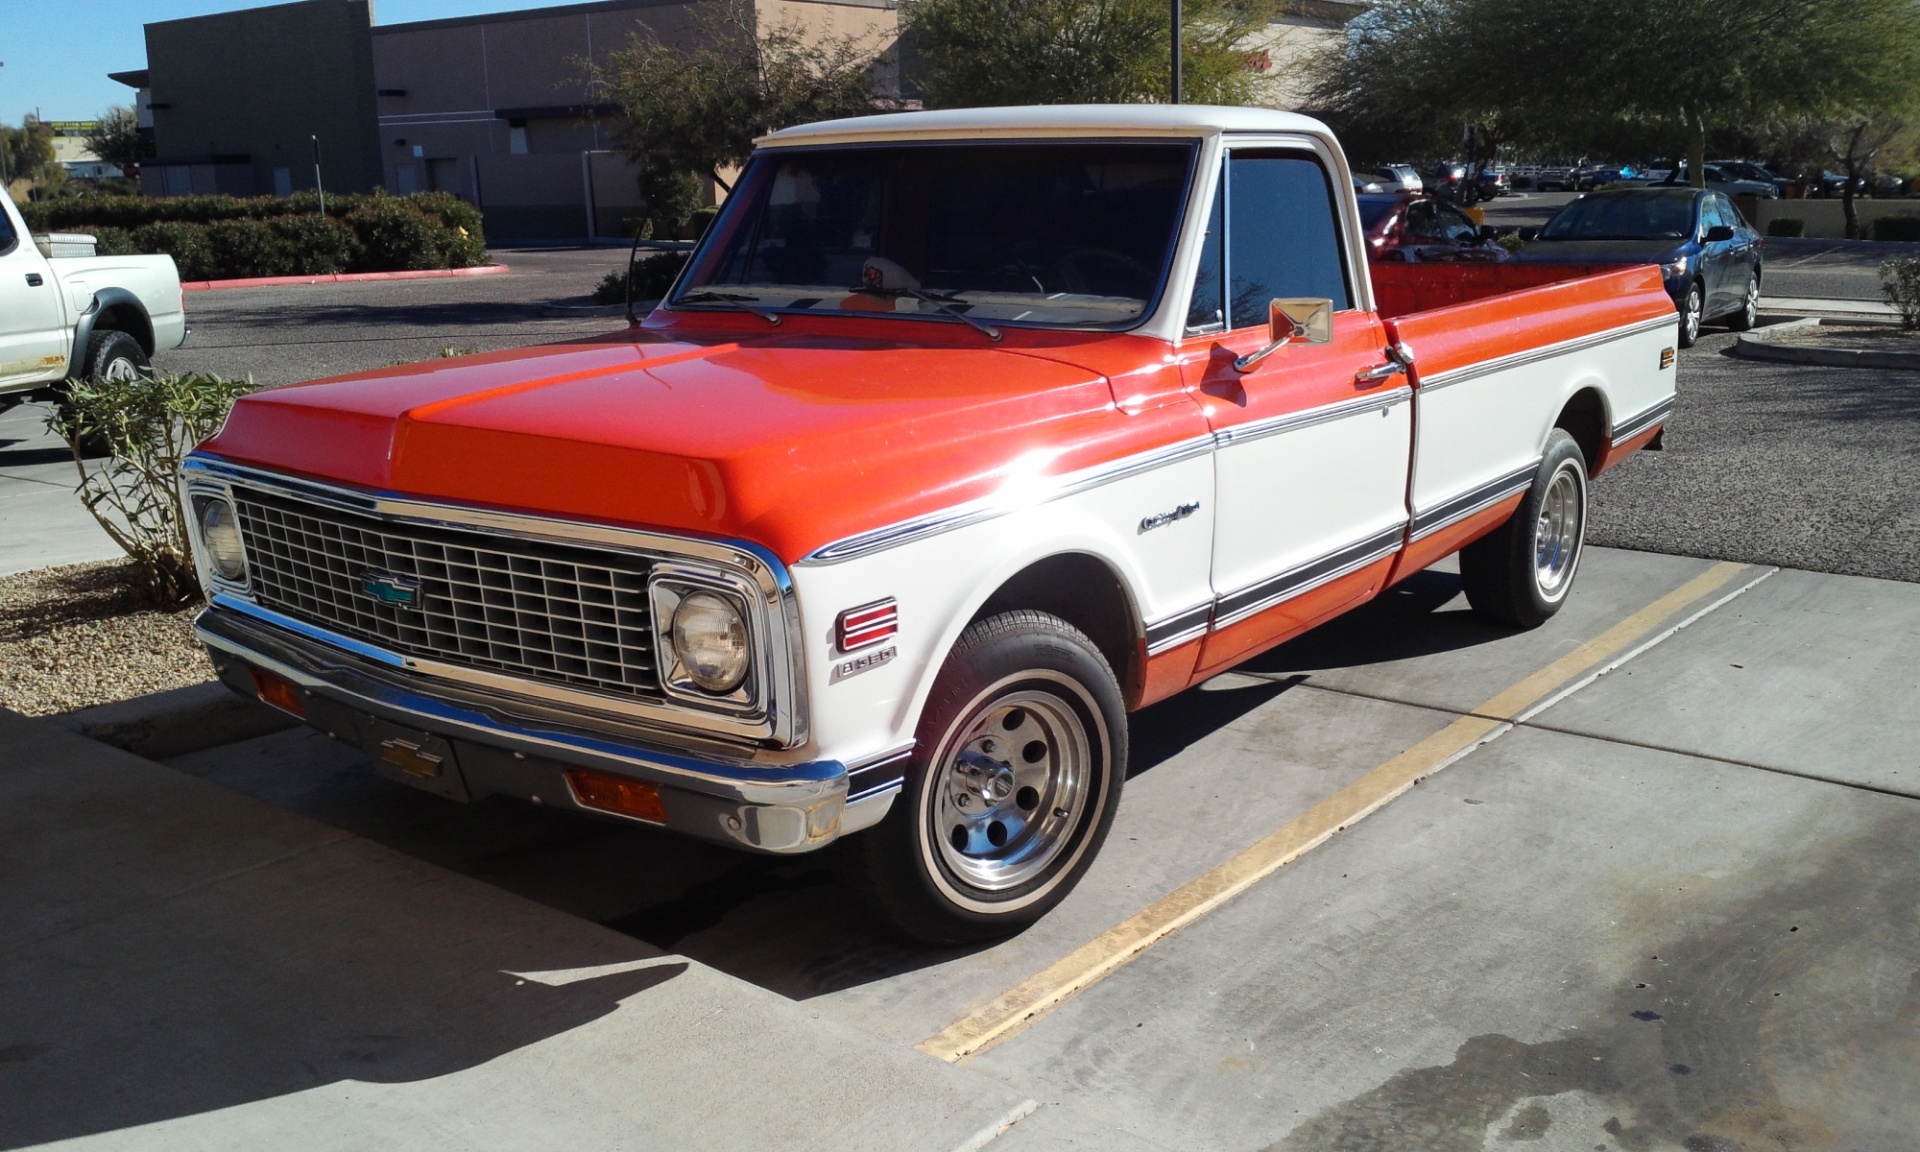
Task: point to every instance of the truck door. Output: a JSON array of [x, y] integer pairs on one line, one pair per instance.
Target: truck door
[[33, 333], [1312, 442]]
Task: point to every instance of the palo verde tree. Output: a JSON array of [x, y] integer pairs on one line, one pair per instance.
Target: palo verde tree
[[975, 53], [697, 109]]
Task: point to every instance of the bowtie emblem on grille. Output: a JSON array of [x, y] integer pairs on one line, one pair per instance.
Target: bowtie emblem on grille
[[390, 589]]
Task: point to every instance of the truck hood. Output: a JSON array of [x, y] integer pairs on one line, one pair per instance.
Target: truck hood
[[792, 441]]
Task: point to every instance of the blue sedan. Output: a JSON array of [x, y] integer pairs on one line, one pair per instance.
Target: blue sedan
[[1707, 251]]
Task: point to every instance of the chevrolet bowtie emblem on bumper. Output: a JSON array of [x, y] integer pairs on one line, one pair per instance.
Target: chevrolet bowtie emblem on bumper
[[1149, 523], [390, 589]]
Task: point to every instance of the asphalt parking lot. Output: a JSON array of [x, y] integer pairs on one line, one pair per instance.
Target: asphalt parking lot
[[1641, 879]]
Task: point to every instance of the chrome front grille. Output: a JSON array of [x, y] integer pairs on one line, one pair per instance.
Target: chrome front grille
[[551, 612]]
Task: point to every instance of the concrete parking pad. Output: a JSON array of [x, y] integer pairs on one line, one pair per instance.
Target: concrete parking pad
[[42, 521], [1808, 674], [1558, 939], [188, 968]]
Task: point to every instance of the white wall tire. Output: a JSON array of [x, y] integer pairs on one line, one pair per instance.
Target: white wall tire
[[1016, 778]]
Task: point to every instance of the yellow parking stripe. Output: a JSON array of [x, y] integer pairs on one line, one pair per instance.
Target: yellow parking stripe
[[1013, 1010]]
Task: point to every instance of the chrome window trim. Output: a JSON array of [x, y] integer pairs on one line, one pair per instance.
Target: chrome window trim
[[779, 714], [1452, 376]]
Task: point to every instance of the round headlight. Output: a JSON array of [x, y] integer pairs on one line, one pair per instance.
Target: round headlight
[[710, 638], [220, 529]]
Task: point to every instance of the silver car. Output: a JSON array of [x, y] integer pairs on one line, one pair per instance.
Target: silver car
[[1398, 178]]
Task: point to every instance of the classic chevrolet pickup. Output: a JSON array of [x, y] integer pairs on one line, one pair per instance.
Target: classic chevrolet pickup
[[961, 435]]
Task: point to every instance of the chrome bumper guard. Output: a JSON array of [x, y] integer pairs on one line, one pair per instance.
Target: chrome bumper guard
[[520, 748]]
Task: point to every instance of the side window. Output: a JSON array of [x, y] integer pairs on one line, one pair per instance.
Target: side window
[[7, 234], [1422, 224], [1206, 312], [1726, 212], [1282, 240], [1455, 225]]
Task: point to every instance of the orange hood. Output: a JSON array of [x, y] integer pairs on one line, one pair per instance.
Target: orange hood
[[791, 441]]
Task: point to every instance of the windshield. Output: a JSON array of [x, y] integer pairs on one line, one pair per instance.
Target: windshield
[[1652, 216], [1077, 234]]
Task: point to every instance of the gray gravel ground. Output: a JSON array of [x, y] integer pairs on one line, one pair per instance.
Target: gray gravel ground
[[1800, 466], [75, 636]]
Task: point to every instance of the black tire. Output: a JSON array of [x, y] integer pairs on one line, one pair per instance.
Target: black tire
[[112, 355], [1693, 313], [1040, 679], [1749, 313], [1522, 572]]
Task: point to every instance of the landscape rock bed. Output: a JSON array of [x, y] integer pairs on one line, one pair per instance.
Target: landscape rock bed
[[77, 636]]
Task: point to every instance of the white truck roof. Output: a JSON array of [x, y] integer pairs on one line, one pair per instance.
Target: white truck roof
[[1050, 120]]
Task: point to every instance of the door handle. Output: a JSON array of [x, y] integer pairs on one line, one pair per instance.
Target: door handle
[[1368, 377], [33, 280]]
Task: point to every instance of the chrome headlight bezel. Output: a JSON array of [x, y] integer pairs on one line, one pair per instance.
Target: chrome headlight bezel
[[216, 565], [673, 582]]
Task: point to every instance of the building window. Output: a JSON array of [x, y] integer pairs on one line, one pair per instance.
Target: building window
[[517, 137]]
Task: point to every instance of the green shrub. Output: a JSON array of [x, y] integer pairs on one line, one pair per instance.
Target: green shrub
[[1900, 280], [244, 248], [147, 423], [652, 277], [393, 237], [113, 242], [1786, 226], [317, 245], [1900, 228], [186, 243]]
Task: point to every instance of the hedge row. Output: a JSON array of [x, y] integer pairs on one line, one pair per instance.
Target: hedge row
[[217, 237]]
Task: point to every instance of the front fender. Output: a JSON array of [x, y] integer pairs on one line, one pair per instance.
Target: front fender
[[122, 305]]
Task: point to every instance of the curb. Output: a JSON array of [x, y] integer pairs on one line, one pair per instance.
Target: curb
[[1759, 346], [341, 278], [176, 722]]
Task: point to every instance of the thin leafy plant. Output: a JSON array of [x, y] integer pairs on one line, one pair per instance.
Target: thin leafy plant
[[146, 423], [1900, 280]]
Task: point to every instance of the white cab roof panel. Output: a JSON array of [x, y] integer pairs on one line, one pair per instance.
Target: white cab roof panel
[[1050, 120]]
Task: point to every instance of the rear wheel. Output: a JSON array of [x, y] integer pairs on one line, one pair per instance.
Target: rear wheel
[[1693, 312], [112, 357], [1021, 753], [1520, 573]]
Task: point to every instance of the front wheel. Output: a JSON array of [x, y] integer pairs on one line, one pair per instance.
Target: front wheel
[[1520, 573], [1693, 312], [1016, 777]]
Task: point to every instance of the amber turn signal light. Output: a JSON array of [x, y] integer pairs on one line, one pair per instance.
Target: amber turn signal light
[[634, 799], [278, 691]]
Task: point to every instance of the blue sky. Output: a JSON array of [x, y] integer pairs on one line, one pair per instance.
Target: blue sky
[[57, 54]]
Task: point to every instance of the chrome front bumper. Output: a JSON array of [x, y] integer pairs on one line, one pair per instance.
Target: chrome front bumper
[[521, 748]]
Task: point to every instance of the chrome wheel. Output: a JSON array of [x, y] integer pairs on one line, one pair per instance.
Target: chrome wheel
[[1751, 310], [1010, 788], [1558, 532], [120, 370], [1690, 320]]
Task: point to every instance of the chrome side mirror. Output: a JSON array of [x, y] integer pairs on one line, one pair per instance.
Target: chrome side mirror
[[1297, 321]]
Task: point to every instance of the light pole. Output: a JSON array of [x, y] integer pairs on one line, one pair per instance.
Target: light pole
[[317, 187], [4, 178], [1176, 50]]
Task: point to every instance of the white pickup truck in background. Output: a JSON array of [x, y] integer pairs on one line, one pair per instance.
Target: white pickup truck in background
[[78, 317]]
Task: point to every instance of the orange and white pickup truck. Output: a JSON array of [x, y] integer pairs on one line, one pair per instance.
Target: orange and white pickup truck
[[961, 435]]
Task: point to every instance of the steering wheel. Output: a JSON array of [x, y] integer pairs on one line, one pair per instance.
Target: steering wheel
[[1080, 269]]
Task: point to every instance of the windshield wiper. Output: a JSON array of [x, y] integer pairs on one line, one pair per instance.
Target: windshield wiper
[[739, 302], [943, 302]]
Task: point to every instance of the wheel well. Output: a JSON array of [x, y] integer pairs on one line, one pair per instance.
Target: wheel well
[[1585, 419], [124, 318], [1086, 593]]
